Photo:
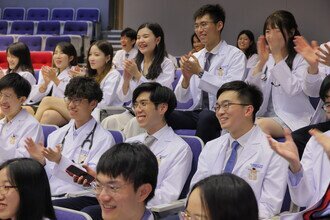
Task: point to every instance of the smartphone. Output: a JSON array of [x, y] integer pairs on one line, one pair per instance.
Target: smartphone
[[79, 172]]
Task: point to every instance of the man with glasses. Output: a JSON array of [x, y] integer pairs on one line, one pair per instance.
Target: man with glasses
[[79, 143], [244, 150], [126, 181], [204, 72], [17, 123]]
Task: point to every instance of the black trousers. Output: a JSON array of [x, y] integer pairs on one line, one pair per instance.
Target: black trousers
[[301, 136], [86, 204], [204, 121]]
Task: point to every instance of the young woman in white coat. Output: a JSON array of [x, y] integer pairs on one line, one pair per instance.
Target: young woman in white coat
[[150, 64], [99, 63], [280, 75]]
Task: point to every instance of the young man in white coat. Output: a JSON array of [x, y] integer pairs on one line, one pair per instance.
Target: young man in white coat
[[153, 104], [309, 178], [204, 72], [125, 182], [17, 124], [244, 150], [81, 142]]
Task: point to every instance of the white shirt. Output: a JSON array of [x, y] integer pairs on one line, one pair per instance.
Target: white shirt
[[165, 78], [60, 181], [174, 160], [28, 76], [14, 133], [120, 56], [257, 163], [227, 64], [285, 86], [308, 186], [57, 91]]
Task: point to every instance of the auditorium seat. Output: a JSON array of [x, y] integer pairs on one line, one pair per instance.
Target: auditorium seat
[[13, 13], [41, 58], [33, 42], [22, 27], [5, 41], [37, 14], [62, 14]]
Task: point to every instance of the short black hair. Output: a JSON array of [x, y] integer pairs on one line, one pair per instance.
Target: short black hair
[[325, 87], [158, 94], [220, 195], [32, 184], [129, 32], [18, 83], [247, 93], [216, 13], [84, 87], [134, 162]]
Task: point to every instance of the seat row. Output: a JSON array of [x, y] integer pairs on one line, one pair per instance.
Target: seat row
[[59, 14], [45, 42]]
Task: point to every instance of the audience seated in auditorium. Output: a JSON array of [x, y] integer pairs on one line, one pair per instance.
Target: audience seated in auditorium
[[224, 196], [246, 43], [81, 142], [99, 67], [151, 64], [128, 51], [24, 190], [53, 80], [17, 123], [279, 74], [204, 72], [244, 150]]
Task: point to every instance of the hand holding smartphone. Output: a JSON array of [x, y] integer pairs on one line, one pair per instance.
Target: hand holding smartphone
[[73, 170]]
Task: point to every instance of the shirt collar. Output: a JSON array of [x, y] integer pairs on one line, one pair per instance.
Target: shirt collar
[[158, 134], [244, 139]]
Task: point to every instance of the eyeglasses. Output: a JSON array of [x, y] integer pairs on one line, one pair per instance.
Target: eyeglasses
[[204, 25], [108, 188], [141, 104], [186, 216], [6, 96], [326, 106], [74, 101], [226, 104], [5, 189]]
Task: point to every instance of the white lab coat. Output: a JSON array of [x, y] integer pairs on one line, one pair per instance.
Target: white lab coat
[[57, 91], [119, 58], [252, 61], [60, 181], [312, 86], [14, 133], [174, 160], [28, 76], [270, 183], [315, 179], [165, 78], [109, 86], [227, 64], [290, 102]]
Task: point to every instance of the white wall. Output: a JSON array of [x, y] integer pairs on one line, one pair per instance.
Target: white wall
[[176, 18]]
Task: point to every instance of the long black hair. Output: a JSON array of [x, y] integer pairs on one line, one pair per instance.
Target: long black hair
[[32, 184], [159, 52], [286, 22], [22, 52], [252, 49]]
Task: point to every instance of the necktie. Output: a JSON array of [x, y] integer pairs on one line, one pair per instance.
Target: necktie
[[126, 55], [232, 158], [149, 140], [321, 207], [205, 95]]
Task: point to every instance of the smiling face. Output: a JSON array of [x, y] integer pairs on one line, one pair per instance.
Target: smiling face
[[122, 204], [60, 59], [9, 198], [243, 42], [80, 109], [146, 41], [126, 43], [197, 44], [207, 31], [12, 60], [97, 59], [275, 39], [10, 104]]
